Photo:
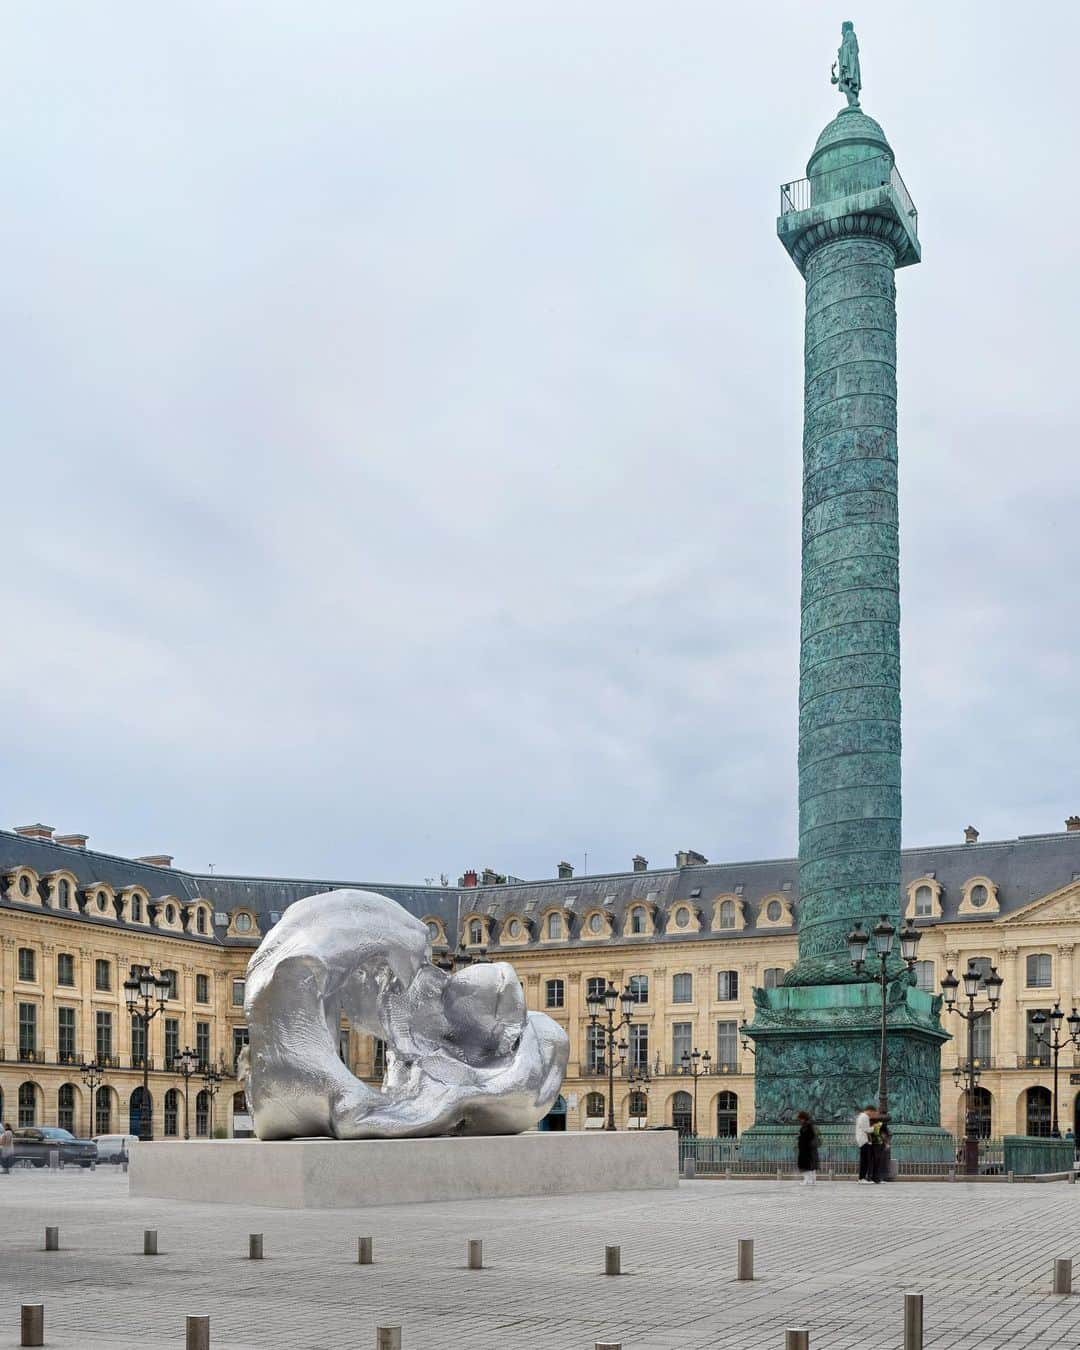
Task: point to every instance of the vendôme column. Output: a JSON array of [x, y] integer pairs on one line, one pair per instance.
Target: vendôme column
[[847, 227]]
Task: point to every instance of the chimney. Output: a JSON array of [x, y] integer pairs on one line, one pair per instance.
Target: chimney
[[34, 831], [689, 858], [490, 877], [566, 871], [156, 859], [1073, 824], [71, 840], [971, 835], [640, 864], [469, 879]]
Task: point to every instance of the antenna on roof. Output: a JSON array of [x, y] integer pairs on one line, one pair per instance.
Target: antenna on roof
[[211, 867]]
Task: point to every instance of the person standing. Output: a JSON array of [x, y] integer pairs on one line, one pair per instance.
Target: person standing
[[862, 1143], [807, 1150], [7, 1148]]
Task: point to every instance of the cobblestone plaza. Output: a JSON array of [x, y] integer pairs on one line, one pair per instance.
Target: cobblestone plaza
[[836, 1258]]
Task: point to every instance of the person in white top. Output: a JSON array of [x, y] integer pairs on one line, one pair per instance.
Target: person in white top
[[862, 1142]]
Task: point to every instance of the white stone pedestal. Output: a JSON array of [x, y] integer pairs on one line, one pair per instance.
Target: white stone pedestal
[[348, 1174]]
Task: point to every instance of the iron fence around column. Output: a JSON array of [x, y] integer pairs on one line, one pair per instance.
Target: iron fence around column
[[720, 1157]]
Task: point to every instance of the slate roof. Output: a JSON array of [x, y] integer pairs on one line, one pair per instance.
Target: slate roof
[[1023, 869]]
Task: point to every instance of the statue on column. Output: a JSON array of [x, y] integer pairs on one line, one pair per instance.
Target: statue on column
[[845, 71]]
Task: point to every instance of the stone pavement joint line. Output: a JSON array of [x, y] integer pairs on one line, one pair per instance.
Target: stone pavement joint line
[[837, 1259]]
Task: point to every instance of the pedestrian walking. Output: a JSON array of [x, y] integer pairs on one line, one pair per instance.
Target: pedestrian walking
[[7, 1148], [807, 1149], [862, 1143]]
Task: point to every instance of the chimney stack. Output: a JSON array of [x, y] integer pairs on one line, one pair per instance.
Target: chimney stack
[[490, 877], [640, 864], [1073, 824], [34, 831], [469, 879], [71, 840], [156, 859], [689, 858], [971, 835], [566, 871]]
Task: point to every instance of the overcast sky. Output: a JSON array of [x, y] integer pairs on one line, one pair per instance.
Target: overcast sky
[[402, 417]]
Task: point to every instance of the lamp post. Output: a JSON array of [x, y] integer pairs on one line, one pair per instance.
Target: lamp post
[[146, 988], [1056, 1044], [883, 934], [697, 1065], [973, 978], [607, 1003], [186, 1063], [93, 1075], [211, 1083]]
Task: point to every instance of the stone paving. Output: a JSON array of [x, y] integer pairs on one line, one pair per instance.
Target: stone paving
[[836, 1258]]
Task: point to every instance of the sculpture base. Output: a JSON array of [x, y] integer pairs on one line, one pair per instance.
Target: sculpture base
[[353, 1174]]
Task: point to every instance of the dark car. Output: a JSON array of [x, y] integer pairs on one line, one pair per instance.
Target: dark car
[[34, 1145]]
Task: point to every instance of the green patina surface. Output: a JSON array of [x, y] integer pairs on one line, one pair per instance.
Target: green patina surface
[[1028, 1157], [818, 1038]]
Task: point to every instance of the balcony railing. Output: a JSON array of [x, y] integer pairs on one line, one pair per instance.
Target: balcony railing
[[67, 1057], [142, 1061], [717, 1067], [856, 177], [28, 1056], [1033, 1061]]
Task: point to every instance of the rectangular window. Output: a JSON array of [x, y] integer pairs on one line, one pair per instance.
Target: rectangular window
[[343, 1046], [202, 1043], [594, 1049], [172, 1040], [774, 977], [202, 989], [555, 994], [238, 993], [639, 1046], [727, 1043], [65, 1035], [65, 970], [980, 1040], [924, 976], [379, 1065], [138, 1042], [102, 975], [1036, 1048], [239, 1040], [1039, 972], [727, 986], [27, 1031], [638, 986], [595, 986], [27, 965], [682, 989], [682, 1043], [103, 1036], [172, 980]]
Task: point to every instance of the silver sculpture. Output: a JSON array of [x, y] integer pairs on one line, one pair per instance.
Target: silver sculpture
[[463, 1056]]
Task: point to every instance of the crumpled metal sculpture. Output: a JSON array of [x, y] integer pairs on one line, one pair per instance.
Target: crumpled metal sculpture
[[463, 1055]]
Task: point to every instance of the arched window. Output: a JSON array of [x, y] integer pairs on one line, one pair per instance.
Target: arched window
[[65, 1107], [981, 1113], [924, 902], [25, 886], [200, 920], [140, 1116], [476, 933], [637, 920], [202, 1115], [172, 1107], [594, 1105], [1038, 1111], [102, 1123], [554, 926], [978, 895], [682, 1113], [63, 893], [27, 1105], [727, 1115], [1040, 971], [726, 916], [639, 1105]]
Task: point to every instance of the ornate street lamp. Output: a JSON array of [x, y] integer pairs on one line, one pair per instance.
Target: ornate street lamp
[[1055, 1043], [883, 934], [969, 1073], [146, 988], [606, 1003], [186, 1063], [93, 1075], [696, 1065], [211, 1082]]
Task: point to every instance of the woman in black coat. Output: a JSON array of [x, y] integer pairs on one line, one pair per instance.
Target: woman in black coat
[[807, 1149]]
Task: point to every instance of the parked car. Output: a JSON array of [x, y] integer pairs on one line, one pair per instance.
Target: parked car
[[114, 1148], [33, 1145]]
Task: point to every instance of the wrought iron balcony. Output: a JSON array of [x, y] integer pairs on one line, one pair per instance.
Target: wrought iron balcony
[[28, 1056], [1033, 1061], [849, 178], [142, 1061]]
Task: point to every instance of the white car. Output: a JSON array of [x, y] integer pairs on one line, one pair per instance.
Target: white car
[[114, 1148]]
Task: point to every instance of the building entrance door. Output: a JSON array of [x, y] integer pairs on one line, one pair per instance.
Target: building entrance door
[[555, 1120]]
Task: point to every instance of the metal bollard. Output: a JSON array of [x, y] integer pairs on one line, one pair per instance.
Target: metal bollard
[[689, 1167], [387, 1338], [476, 1254], [779, 1174], [744, 1269], [727, 1175], [612, 1260], [93, 1164], [607, 1345], [1072, 1177], [54, 1159], [364, 1255], [913, 1335], [124, 1161], [255, 1246], [1063, 1276], [32, 1324], [796, 1338], [1012, 1176], [197, 1334], [52, 1239], [832, 1176], [149, 1242]]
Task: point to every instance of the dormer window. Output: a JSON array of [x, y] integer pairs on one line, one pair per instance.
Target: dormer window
[[200, 920], [476, 933], [773, 910], [24, 886], [102, 902], [554, 926], [924, 902], [63, 893], [242, 923], [513, 928], [596, 923], [978, 897], [136, 909], [726, 916], [170, 914], [637, 920]]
